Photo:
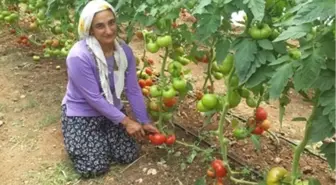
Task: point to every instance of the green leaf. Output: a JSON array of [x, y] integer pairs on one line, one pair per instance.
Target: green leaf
[[308, 72], [257, 8], [315, 10], [269, 56], [260, 58], [321, 126], [331, 65], [280, 47], [200, 181], [192, 156], [255, 140], [265, 44], [328, 46], [325, 81], [222, 48], [294, 32], [259, 76], [245, 54], [328, 149], [280, 60], [208, 24], [299, 119], [279, 80], [327, 100], [200, 7]]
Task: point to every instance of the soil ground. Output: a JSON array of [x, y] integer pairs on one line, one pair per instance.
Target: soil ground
[[31, 143]]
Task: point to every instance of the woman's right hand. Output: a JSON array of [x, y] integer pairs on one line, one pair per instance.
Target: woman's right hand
[[133, 128]]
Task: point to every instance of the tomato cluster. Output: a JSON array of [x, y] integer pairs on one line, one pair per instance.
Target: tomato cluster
[[159, 139], [154, 46], [23, 40], [255, 125], [217, 170], [223, 69], [146, 80]]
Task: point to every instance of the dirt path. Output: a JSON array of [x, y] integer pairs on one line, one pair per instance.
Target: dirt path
[[31, 146]]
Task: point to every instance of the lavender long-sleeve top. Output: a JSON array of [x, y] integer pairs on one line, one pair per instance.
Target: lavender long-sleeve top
[[83, 95]]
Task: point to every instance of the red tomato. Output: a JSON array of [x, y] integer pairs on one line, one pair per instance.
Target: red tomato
[[170, 140], [169, 102], [148, 82], [258, 130], [149, 71], [150, 61], [219, 168], [157, 139], [260, 114], [142, 83]]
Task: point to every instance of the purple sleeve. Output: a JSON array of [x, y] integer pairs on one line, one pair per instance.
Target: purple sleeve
[[80, 72], [133, 90]]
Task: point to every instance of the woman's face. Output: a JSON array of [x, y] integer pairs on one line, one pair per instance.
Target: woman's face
[[104, 27]]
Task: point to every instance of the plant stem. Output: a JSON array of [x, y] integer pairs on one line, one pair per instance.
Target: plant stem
[[189, 145], [301, 147], [222, 140], [239, 181], [162, 80]]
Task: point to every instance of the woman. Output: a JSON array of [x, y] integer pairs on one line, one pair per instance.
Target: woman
[[95, 127]]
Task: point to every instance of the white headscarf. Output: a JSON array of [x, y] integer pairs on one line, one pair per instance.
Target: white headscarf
[[84, 26]]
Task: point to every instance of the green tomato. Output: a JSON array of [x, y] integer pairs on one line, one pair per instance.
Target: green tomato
[[244, 93], [209, 101], [227, 64], [175, 68], [240, 133], [215, 67], [218, 75], [200, 107], [251, 102], [261, 31], [295, 54], [152, 47], [179, 84], [164, 41], [234, 99], [275, 175], [234, 81], [155, 91], [169, 92], [182, 60], [274, 34]]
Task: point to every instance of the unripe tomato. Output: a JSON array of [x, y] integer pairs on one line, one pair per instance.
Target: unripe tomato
[[234, 99], [227, 64], [154, 91], [200, 107], [164, 41], [169, 102], [209, 101], [295, 54], [152, 47], [266, 124], [251, 102], [169, 93], [261, 31], [179, 84]]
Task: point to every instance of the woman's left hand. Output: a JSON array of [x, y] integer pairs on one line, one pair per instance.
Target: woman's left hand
[[150, 128]]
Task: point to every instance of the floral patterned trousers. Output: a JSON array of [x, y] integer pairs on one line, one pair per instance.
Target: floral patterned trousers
[[93, 143]]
